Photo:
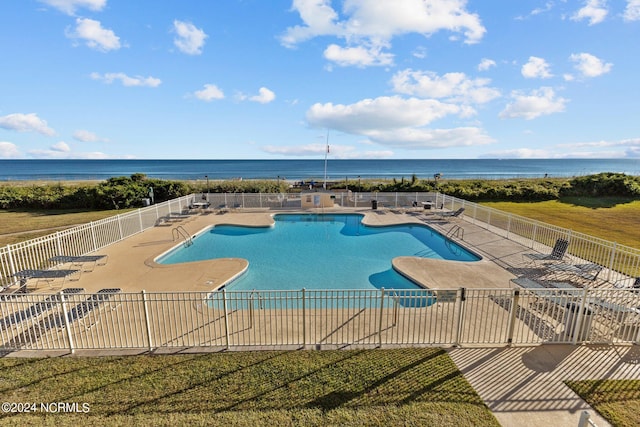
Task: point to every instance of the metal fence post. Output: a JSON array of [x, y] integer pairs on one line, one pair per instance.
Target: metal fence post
[[462, 297], [304, 319], [226, 317], [93, 235], [381, 315], [611, 260], [67, 324], [512, 315], [147, 320], [12, 266], [140, 219], [119, 218]]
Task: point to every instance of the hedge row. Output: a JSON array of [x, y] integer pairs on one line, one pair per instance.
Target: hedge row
[[126, 192]]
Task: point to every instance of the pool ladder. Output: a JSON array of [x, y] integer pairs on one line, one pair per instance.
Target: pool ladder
[[179, 232], [455, 231]]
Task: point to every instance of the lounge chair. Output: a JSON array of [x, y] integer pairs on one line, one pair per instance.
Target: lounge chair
[[48, 275], [36, 309], [450, 214], [82, 311], [557, 253], [628, 283], [588, 271], [81, 260]]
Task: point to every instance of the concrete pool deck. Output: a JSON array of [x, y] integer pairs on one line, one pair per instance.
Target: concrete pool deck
[[522, 386], [132, 268]]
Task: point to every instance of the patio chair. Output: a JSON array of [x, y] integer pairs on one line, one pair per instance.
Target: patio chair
[[450, 214], [93, 304], [587, 271], [36, 309], [557, 253], [628, 283]]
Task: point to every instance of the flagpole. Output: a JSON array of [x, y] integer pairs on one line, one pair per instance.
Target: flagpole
[[326, 153]]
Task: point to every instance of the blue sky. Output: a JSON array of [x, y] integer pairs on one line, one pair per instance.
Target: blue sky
[[256, 79]]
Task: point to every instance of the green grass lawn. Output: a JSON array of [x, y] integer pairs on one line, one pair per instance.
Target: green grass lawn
[[616, 220], [19, 225], [618, 401], [357, 387]]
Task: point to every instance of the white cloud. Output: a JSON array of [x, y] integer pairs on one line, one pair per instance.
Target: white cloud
[[421, 138], [485, 64], [69, 6], [94, 35], [359, 56], [455, 87], [26, 123], [536, 68], [209, 93], [589, 65], [264, 96], [8, 150], [396, 121], [594, 10], [369, 25], [519, 153], [127, 80], [61, 147], [632, 11], [189, 40], [538, 103], [58, 152], [379, 113], [336, 152], [86, 136]]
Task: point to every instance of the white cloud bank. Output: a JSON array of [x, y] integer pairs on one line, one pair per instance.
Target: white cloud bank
[[189, 39], [127, 80], [26, 123], [94, 36], [368, 26], [396, 121], [336, 151]]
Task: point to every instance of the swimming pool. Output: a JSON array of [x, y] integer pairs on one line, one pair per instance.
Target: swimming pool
[[319, 251]]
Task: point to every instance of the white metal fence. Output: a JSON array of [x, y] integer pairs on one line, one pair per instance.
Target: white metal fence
[[35, 254], [620, 262], [317, 319], [314, 318]]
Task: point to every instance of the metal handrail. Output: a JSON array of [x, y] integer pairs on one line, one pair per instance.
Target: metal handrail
[[179, 231]]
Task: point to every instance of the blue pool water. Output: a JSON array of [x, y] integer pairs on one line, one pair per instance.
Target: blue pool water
[[319, 251]]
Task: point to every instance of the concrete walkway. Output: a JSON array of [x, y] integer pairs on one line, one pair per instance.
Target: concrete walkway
[[526, 386]]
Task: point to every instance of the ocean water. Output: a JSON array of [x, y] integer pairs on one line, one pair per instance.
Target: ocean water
[[295, 170]]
